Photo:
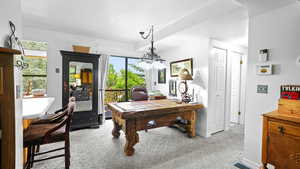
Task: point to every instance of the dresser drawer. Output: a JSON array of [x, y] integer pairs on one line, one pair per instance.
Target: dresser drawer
[[282, 128]]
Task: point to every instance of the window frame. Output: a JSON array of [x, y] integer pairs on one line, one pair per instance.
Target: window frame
[[42, 48], [126, 76]]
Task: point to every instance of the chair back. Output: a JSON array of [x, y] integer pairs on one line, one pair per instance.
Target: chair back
[[66, 122], [70, 111], [139, 94]]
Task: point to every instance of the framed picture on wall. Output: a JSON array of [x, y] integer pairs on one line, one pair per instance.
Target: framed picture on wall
[[172, 87], [162, 76], [175, 67]]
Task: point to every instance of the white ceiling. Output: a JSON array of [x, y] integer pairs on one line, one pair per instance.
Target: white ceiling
[[109, 19], [256, 7], [121, 20], [231, 28]]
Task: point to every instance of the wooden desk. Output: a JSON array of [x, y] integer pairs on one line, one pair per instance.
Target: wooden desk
[[135, 116]]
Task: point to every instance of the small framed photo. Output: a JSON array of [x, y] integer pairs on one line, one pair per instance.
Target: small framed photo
[[173, 88], [264, 69], [162, 76]]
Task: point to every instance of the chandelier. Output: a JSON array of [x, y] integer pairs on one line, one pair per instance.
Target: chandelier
[[151, 59]]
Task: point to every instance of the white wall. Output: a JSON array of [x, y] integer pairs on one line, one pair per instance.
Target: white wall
[[62, 41], [199, 48], [278, 30], [196, 48], [11, 10]]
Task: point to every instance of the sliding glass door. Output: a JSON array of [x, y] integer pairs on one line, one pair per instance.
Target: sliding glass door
[[123, 75], [115, 83], [135, 75]]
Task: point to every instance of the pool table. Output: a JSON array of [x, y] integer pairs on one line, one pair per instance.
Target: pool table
[[132, 117]]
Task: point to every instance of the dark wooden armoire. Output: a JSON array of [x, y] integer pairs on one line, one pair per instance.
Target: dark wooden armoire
[[80, 80]]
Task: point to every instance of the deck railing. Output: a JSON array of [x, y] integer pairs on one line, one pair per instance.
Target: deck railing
[[115, 95]]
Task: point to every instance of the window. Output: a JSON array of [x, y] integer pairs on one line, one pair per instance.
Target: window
[[123, 74], [35, 76]]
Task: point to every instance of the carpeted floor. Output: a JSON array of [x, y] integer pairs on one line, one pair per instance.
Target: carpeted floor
[[162, 148]]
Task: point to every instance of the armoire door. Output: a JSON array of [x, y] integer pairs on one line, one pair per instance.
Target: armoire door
[[80, 80]]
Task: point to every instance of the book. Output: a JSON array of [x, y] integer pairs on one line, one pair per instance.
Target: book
[[290, 92]]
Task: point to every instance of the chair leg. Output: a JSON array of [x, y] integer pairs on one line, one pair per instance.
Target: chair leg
[[37, 148], [67, 153], [32, 156], [28, 162]]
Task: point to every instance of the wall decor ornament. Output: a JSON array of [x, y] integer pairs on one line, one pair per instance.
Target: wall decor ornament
[[13, 42], [264, 55], [264, 69], [290, 92], [177, 66], [162, 76], [173, 88]]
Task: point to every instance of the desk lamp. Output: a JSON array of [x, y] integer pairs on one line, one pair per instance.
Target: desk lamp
[[184, 75]]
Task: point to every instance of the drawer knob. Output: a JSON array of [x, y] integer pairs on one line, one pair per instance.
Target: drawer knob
[[281, 129], [151, 123]]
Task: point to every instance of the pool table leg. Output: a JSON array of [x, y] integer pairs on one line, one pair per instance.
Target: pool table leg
[[131, 137], [191, 128], [116, 130]]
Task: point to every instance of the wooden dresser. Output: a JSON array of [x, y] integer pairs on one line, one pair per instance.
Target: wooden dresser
[[281, 136], [7, 108]]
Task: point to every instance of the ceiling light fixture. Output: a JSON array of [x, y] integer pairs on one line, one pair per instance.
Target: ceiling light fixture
[[151, 59]]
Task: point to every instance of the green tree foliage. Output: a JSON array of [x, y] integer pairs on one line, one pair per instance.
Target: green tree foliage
[[32, 45], [35, 76], [116, 80], [136, 68], [112, 77], [37, 66]]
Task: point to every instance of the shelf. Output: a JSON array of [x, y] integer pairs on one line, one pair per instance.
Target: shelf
[[9, 51]]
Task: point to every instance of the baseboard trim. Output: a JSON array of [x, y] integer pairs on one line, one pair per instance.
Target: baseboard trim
[[250, 163]]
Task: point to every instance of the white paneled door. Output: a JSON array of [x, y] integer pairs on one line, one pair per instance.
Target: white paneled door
[[219, 61], [235, 87]]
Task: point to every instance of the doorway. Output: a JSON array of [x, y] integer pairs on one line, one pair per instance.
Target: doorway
[[227, 89], [236, 78], [219, 66]]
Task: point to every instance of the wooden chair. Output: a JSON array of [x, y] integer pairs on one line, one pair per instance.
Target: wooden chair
[[56, 117], [46, 133], [139, 93], [50, 118]]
